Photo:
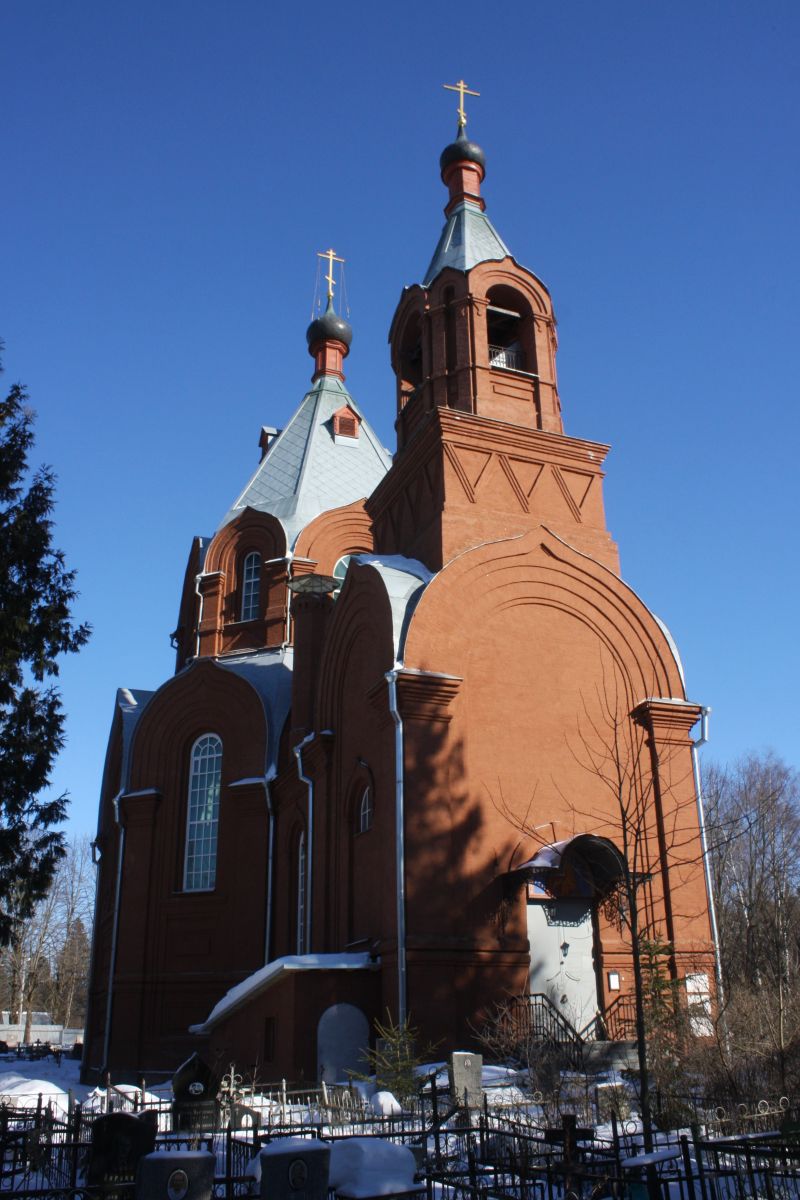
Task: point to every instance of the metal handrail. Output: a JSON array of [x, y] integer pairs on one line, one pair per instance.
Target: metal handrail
[[506, 359]]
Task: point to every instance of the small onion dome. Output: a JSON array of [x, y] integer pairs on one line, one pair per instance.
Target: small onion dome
[[462, 150], [330, 327]]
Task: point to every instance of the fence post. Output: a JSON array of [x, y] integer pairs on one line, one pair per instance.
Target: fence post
[[75, 1134], [568, 1125], [435, 1114]]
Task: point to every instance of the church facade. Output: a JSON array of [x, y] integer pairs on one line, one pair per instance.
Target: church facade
[[422, 744]]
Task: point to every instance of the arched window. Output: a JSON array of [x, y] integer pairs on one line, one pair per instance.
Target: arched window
[[251, 586], [202, 818], [301, 894], [339, 572], [365, 811]]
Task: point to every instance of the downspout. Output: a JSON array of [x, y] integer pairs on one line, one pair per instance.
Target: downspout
[[270, 863], [701, 815], [114, 930], [199, 595], [391, 679], [298, 753]]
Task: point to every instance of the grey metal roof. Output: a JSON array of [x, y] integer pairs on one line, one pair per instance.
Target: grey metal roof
[[270, 674], [405, 579], [468, 238], [131, 703], [305, 472]]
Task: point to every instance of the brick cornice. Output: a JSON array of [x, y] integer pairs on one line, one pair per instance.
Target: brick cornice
[[422, 695], [426, 696], [139, 808], [664, 717]]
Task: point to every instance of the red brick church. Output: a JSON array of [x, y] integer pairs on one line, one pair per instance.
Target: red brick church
[[419, 727]]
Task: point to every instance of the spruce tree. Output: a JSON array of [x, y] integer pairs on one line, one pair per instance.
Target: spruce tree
[[36, 596]]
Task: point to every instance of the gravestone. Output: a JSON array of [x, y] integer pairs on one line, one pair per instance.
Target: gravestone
[[342, 1035], [195, 1108], [176, 1175], [295, 1169], [119, 1140], [466, 1071]]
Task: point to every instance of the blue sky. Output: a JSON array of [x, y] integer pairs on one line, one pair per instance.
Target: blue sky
[[171, 170]]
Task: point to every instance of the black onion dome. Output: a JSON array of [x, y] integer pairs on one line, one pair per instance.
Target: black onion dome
[[330, 327], [462, 150]]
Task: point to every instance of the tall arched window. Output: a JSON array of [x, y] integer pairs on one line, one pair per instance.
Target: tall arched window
[[251, 586], [301, 894], [202, 818], [365, 811]]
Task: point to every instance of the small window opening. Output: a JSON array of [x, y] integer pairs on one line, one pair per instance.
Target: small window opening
[[365, 810], [339, 572], [410, 359], [345, 424], [505, 346], [251, 586]]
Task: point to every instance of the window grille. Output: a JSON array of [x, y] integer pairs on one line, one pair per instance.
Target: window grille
[[202, 818]]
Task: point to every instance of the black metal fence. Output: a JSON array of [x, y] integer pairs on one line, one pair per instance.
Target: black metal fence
[[489, 1154]]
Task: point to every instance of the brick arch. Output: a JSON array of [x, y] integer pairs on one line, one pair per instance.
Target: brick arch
[[359, 640], [507, 274], [331, 535], [538, 568], [202, 699], [251, 530], [412, 306], [221, 630]]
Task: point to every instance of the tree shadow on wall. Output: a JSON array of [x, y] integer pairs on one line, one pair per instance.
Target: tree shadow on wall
[[466, 932]]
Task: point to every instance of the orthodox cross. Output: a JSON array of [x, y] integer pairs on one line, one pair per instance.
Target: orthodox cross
[[463, 91], [332, 258]]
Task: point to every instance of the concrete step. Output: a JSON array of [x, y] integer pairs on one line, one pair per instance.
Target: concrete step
[[609, 1056]]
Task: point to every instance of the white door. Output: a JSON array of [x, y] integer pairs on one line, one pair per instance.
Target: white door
[[561, 937]]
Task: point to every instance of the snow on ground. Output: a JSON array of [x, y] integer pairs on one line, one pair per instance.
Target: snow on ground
[[23, 1080]]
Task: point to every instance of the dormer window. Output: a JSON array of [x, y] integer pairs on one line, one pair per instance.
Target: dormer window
[[251, 586], [345, 426]]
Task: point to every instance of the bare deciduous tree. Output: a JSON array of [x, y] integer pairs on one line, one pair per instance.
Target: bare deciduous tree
[[46, 963], [754, 826]]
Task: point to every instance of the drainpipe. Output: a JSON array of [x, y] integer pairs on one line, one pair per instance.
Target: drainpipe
[[298, 753], [270, 863], [115, 929], [712, 907], [391, 679], [199, 595]]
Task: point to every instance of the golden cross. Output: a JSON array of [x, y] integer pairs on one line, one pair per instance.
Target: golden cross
[[463, 91], [332, 258]]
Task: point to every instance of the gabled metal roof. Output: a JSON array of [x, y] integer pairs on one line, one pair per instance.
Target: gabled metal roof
[[306, 471], [468, 238]]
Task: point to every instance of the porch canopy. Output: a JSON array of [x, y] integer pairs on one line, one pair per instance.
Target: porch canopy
[[586, 863]]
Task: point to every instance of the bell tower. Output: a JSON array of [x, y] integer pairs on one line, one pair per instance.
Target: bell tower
[[481, 448], [478, 335]]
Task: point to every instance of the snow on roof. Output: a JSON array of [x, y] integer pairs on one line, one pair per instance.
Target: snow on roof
[[405, 579], [131, 703], [266, 976], [269, 673]]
